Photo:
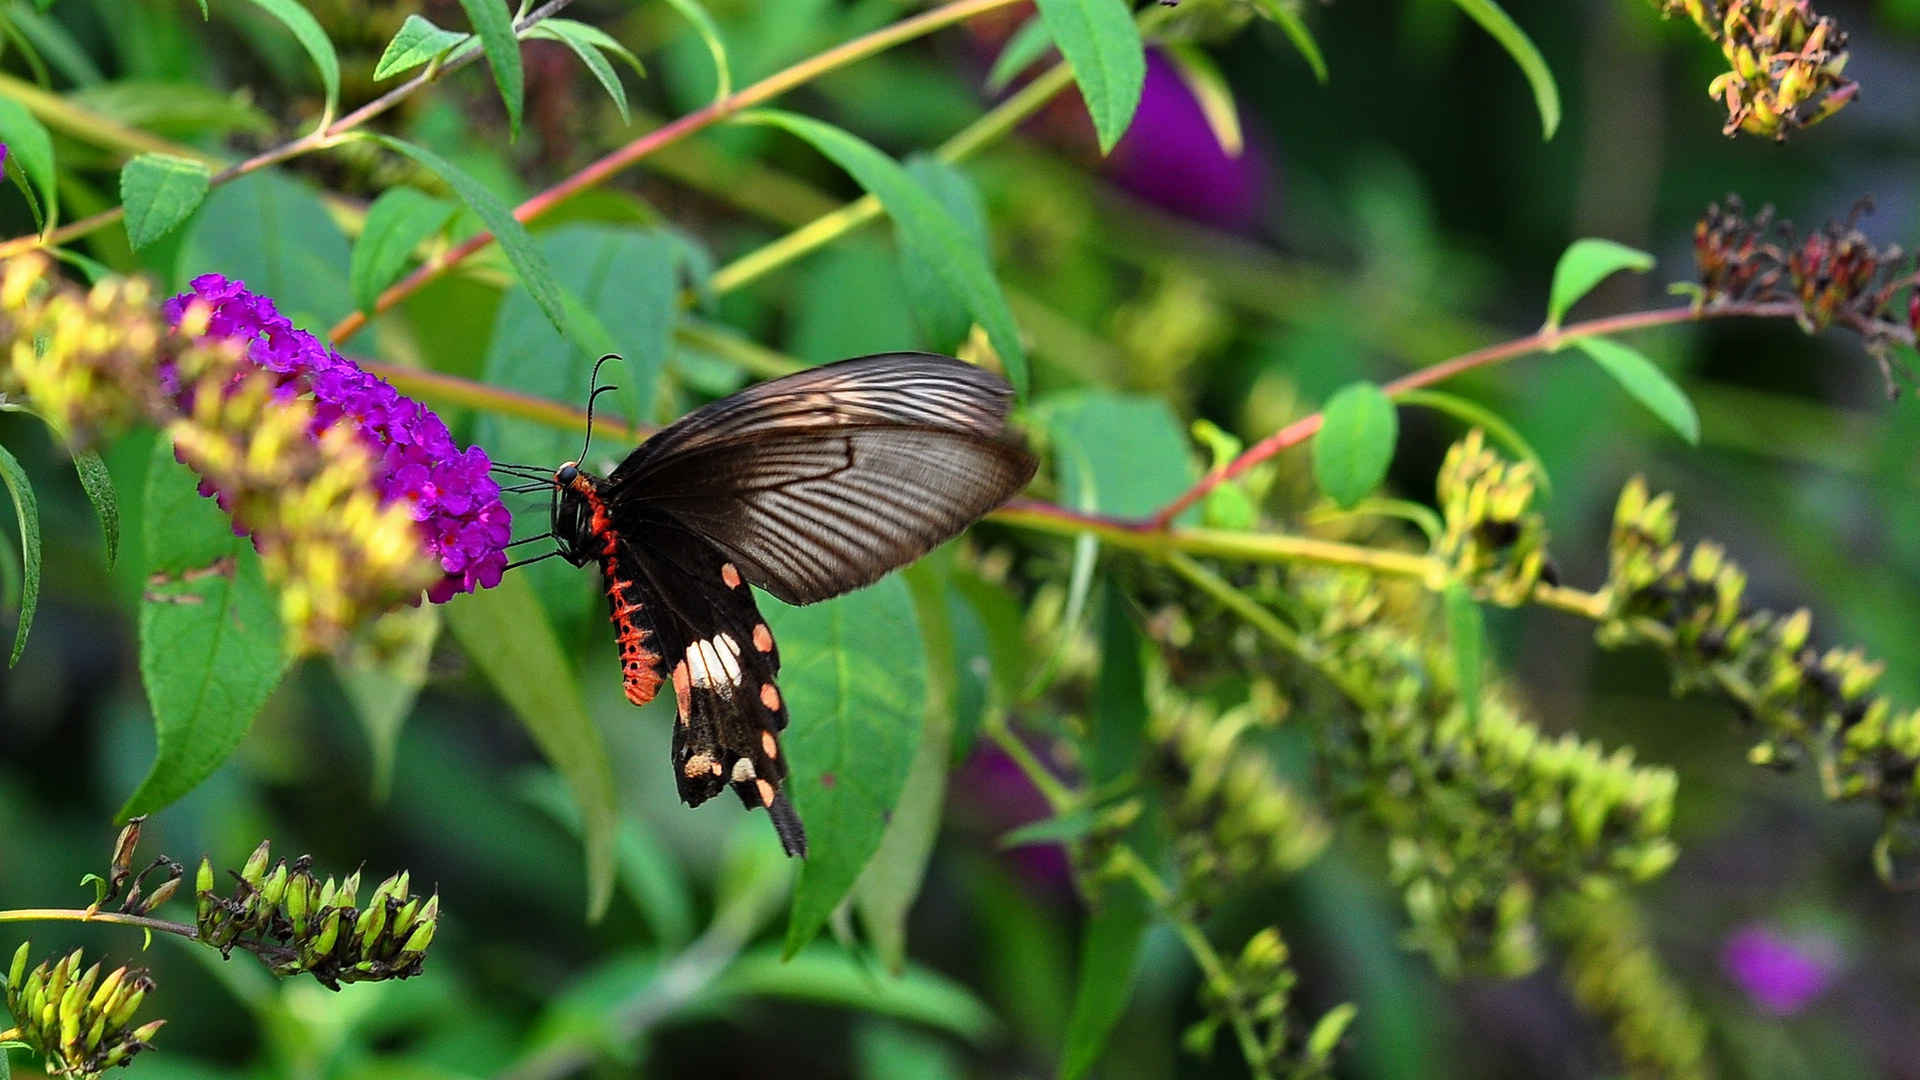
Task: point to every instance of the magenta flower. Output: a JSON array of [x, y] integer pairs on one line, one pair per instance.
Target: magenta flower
[[449, 492], [1170, 157], [1781, 975]]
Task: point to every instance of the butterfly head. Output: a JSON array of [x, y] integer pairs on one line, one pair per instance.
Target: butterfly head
[[581, 525]]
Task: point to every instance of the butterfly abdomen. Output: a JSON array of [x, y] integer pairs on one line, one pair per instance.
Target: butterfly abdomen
[[632, 627]]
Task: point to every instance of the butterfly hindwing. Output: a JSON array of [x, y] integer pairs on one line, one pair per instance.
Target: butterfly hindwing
[[721, 660]]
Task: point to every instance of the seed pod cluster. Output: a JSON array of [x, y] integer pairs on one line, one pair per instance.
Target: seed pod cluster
[[1495, 542], [78, 1020], [300, 925]]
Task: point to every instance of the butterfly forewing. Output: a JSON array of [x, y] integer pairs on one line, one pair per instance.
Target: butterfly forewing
[[822, 482]]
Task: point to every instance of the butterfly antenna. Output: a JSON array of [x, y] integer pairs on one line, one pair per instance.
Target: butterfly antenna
[[593, 394]]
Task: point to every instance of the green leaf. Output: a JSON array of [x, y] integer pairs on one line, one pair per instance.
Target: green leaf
[[312, 38], [1053, 830], [57, 44], [1100, 40], [923, 224], [855, 679], [942, 317], [1120, 695], [210, 637], [649, 873], [1130, 455], [160, 192], [1546, 97], [703, 24], [828, 976], [587, 43], [417, 42], [399, 221], [381, 670], [507, 637], [1024, 49], [1585, 264], [274, 233], [495, 27], [1110, 954], [886, 889], [1355, 444], [31, 147], [513, 237], [1286, 15], [97, 482], [1649, 385], [1196, 69], [1467, 634], [26, 512]]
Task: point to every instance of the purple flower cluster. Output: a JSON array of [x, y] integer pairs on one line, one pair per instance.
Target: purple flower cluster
[[453, 496], [1782, 976]]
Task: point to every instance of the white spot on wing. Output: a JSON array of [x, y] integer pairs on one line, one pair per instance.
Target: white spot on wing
[[714, 664], [743, 770]]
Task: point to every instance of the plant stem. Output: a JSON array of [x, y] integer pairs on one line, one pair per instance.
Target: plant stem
[[1212, 967], [1542, 340], [765, 90], [82, 915], [315, 140], [1058, 797]]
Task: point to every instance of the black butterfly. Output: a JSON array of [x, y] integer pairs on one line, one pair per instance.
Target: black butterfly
[[806, 486]]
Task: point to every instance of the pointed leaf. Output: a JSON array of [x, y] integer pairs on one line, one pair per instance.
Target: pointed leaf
[[514, 240], [855, 678], [161, 191], [709, 32], [210, 637], [585, 41], [1286, 15], [1024, 49], [1650, 386], [941, 315], [1495, 21], [417, 42], [312, 38], [1585, 264], [923, 224], [829, 976], [507, 637], [1110, 953], [399, 221], [1054, 830], [1355, 445], [97, 482], [26, 512], [495, 27], [1119, 730], [29, 145], [888, 886], [1100, 40]]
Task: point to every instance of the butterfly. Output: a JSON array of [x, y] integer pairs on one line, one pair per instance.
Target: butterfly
[[806, 486]]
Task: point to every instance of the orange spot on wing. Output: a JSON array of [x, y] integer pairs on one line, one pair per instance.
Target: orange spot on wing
[[766, 792], [762, 637], [770, 697], [683, 691], [730, 574], [770, 744]]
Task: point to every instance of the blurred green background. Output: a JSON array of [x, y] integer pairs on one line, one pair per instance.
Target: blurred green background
[[1404, 212]]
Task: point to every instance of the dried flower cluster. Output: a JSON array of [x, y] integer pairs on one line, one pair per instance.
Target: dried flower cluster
[[356, 497], [1812, 705], [1835, 274], [1785, 62], [78, 1021], [1494, 542], [299, 925]]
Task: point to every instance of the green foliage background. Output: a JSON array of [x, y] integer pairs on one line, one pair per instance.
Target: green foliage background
[[1409, 211]]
